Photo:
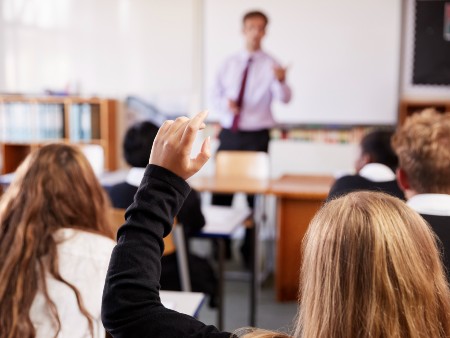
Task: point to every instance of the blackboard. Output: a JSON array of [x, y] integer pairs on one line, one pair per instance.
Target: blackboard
[[432, 43]]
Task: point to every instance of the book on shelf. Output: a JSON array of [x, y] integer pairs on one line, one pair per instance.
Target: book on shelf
[[86, 122], [25, 122], [80, 122]]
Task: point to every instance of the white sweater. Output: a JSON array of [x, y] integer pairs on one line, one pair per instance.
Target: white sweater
[[83, 262]]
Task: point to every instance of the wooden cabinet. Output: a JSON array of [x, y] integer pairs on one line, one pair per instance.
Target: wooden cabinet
[[409, 107], [27, 123]]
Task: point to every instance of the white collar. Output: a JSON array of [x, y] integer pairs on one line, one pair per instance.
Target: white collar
[[431, 204], [135, 176], [377, 172], [245, 54]]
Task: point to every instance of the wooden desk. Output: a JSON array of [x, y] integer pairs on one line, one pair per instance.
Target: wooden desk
[[231, 185], [298, 199]]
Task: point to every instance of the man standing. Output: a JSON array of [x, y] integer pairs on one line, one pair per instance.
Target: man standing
[[243, 92], [422, 144], [244, 89]]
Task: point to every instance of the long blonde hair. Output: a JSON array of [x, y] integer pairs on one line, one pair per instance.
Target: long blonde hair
[[54, 188], [370, 268]]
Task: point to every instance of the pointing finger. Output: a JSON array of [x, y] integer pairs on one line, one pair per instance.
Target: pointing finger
[[192, 128]]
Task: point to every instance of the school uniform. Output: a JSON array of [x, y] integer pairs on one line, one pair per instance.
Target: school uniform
[[190, 215], [203, 277], [435, 209], [131, 304], [83, 259], [372, 177]]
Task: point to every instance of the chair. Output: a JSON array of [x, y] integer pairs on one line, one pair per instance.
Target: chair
[[222, 222], [242, 165], [174, 242]]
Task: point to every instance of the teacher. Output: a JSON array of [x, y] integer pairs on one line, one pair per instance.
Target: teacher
[[245, 86]]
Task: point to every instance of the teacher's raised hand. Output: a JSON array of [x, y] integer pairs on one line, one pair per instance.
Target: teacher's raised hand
[[280, 73], [173, 144]]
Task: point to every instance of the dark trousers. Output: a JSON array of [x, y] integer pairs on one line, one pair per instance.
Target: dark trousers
[[244, 141]]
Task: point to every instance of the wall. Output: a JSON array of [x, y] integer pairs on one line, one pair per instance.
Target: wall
[[110, 48], [151, 48], [104, 47]]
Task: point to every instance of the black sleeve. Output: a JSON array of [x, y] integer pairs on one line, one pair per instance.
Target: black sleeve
[[131, 305], [191, 215]]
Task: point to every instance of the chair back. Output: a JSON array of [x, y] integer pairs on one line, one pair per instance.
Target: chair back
[[118, 219], [242, 164]]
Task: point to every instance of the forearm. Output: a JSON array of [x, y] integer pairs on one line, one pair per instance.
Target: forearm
[[131, 305], [282, 91], [190, 215], [132, 281]]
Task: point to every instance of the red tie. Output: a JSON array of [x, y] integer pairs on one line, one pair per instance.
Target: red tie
[[240, 98]]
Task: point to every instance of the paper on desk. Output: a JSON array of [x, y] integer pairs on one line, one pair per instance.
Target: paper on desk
[[223, 220], [168, 304]]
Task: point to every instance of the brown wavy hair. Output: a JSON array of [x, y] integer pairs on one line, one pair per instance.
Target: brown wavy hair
[[371, 268], [55, 187], [422, 144]]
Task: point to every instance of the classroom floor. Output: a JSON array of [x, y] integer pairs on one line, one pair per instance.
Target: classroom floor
[[270, 313]]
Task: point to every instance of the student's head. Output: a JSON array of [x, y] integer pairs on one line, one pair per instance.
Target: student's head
[[371, 268], [422, 144], [55, 187], [138, 142], [254, 29], [375, 147]]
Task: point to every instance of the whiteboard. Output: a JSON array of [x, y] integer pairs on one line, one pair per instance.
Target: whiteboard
[[343, 56]]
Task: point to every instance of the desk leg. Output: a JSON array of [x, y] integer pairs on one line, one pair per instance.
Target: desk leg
[[255, 256], [221, 243], [254, 275]]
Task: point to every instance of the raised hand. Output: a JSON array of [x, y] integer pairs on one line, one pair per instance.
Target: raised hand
[[173, 144], [280, 73]]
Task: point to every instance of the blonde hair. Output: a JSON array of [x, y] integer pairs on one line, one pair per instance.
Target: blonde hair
[[371, 268], [54, 188], [422, 144]]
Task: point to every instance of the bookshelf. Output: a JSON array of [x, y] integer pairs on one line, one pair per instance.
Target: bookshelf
[[409, 107], [27, 123]]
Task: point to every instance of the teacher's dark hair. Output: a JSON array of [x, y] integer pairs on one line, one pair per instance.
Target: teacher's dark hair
[[255, 14]]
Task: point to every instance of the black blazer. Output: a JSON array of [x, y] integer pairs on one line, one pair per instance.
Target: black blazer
[[190, 214], [350, 183], [441, 227]]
